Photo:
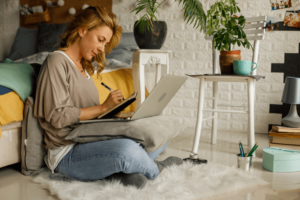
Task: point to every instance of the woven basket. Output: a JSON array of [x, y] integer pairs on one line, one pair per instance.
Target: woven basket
[[37, 17]]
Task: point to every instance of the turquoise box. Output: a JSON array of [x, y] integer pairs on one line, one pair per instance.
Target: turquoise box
[[281, 160]]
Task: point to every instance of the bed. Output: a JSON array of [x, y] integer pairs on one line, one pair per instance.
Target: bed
[[118, 66]]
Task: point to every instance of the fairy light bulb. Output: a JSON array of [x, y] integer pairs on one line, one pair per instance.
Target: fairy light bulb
[[60, 2], [72, 11], [85, 6]]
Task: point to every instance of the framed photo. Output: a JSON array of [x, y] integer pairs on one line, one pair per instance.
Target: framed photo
[[272, 24], [282, 4], [292, 18]]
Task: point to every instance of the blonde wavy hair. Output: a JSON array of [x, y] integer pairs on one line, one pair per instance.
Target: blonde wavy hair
[[91, 18]]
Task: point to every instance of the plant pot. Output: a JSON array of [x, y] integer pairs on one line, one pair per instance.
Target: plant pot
[[151, 40], [226, 61]]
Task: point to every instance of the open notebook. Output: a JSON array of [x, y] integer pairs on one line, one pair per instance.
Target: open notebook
[[118, 108]]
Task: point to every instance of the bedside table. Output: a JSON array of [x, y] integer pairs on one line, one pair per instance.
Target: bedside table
[[140, 58]]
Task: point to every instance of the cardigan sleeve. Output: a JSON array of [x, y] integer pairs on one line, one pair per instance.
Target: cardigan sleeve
[[53, 101]]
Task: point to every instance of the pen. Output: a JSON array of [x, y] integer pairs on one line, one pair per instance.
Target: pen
[[107, 87]]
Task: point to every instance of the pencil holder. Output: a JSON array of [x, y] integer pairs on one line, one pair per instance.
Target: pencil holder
[[244, 163]]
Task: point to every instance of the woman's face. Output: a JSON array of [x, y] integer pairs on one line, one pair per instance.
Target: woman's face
[[93, 42]]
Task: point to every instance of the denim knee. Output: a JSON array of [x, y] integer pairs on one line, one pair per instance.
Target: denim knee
[[133, 154], [130, 149]]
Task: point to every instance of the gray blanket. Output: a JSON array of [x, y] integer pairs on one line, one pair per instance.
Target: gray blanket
[[152, 133]]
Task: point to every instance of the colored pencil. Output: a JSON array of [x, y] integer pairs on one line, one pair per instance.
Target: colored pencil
[[253, 150], [242, 147], [241, 150]]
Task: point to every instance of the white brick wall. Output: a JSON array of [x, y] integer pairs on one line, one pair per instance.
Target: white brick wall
[[192, 54]]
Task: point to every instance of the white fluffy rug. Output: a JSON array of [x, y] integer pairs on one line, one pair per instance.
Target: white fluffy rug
[[186, 181]]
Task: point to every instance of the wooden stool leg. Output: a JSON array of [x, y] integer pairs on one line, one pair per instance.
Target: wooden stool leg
[[251, 95], [199, 119], [215, 114]]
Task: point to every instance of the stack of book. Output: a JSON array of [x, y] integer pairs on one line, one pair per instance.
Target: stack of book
[[285, 137]]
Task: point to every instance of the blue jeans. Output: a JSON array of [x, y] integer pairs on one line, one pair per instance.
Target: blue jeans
[[97, 160]]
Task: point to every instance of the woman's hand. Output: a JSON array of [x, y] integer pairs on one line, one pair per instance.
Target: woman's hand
[[113, 99]]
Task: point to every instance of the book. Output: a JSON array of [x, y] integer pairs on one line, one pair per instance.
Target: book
[[286, 135], [284, 146], [285, 129], [285, 140], [115, 111]]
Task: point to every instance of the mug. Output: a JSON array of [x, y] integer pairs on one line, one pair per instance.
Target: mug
[[243, 67]]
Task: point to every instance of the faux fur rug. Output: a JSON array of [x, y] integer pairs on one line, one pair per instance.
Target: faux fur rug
[[187, 181]]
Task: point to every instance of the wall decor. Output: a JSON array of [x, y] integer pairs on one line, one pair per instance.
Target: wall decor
[[272, 24], [38, 12], [282, 4], [290, 67], [60, 14], [292, 18]]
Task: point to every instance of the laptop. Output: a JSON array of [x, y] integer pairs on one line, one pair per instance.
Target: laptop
[[156, 101]]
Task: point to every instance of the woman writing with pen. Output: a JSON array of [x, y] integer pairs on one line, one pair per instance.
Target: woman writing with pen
[[66, 94]]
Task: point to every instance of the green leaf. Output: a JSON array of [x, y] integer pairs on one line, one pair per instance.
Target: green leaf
[[227, 46], [243, 34], [239, 34], [198, 18], [223, 14], [248, 45]]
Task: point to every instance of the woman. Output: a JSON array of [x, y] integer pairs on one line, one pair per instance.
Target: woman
[[66, 94]]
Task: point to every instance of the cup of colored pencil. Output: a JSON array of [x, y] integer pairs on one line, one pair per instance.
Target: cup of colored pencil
[[245, 159]]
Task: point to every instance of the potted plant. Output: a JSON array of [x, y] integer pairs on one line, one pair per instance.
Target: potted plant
[[149, 33], [226, 29]]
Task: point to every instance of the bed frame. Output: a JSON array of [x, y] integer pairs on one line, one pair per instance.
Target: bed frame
[[10, 143]]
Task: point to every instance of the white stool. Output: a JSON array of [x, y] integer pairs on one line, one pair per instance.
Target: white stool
[[254, 29], [142, 57]]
